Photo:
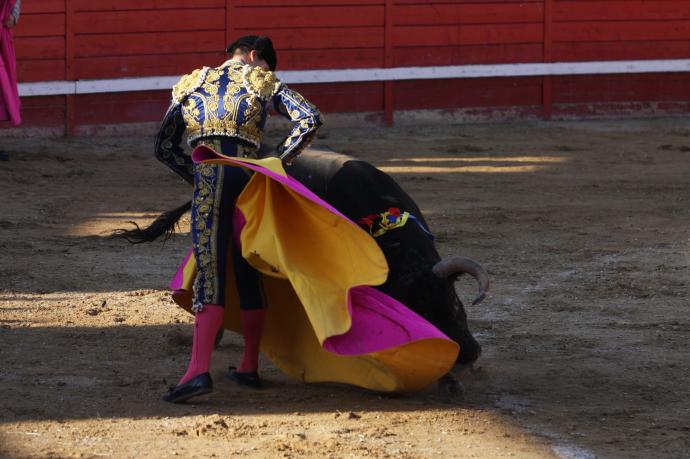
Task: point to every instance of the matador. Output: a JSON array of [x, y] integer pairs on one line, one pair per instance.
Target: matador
[[226, 108]]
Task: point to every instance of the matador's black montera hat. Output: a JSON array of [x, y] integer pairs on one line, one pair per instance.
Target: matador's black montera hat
[[262, 45]]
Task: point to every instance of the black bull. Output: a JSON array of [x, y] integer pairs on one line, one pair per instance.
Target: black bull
[[417, 276]]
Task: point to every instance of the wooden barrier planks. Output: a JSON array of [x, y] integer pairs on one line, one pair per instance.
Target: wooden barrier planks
[[586, 30], [133, 38], [615, 29], [467, 32], [455, 94], [39, 41]]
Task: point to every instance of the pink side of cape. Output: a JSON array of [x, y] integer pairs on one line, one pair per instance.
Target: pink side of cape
[[9, 95], [378, 321], [177, 282]]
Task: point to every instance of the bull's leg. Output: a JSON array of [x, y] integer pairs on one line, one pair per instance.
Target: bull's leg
[[470, 349], [450, 387], [458, 330]]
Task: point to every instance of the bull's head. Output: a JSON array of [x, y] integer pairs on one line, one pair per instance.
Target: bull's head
[[426, 284], [452, 267], [447, 271], [417, 276]]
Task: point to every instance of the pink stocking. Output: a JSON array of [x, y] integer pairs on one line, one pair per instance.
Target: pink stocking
[[206, 325], [252, 324]]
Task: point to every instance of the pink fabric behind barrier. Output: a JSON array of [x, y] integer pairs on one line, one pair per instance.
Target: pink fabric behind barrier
[[9, 97]]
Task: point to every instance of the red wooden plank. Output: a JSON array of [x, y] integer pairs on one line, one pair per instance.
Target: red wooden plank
[[330, 58], [461, 13], [440, 2], [43, 111], [125, 5], [603, 10], [43, 101], [70, 68], [230, 21], [40, 70], [344, 97], [40, 47], [311, 16], [43, 6], [621, 50], [178, 64], [548, 30], [388, 90], [149, 43], [622, 31], [39, 117], [272, 3], [148, 21], [139, 66], [467, 55], [459, 93], [621, 88], [547, 87], [321, 38], [468, 35], [40, 25], [134, 107]]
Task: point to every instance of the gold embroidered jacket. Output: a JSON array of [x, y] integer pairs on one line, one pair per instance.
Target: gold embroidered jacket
[[231, 101]]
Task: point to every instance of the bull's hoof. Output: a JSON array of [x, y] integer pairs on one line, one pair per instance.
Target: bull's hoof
[[464, 366], [450, 387], [470, 354]]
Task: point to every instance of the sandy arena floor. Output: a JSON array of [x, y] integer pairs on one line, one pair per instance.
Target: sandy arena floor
[[583, 226]]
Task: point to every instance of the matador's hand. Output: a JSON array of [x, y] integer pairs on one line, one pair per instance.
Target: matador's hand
[[288, 160]]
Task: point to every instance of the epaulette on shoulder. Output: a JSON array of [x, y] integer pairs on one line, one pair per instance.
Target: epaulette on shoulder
[[262, 83], [188, 84]]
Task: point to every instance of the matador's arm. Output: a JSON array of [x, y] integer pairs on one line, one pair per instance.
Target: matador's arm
[[168, 144], [306, 121]]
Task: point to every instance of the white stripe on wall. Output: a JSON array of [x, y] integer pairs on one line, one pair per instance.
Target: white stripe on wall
[[50, 88]]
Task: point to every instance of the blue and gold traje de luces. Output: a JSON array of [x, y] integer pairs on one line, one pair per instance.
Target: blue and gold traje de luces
[[231, 101]]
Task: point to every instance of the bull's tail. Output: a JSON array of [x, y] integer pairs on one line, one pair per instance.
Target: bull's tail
[[164, 224]]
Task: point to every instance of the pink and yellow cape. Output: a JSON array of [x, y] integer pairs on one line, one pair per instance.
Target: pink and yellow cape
[[324, 320]]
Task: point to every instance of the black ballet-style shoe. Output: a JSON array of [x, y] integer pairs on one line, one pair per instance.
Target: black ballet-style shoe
[[250, 379], [198, 385]]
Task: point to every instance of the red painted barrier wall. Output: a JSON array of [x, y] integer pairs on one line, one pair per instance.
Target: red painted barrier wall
[[95, 39]]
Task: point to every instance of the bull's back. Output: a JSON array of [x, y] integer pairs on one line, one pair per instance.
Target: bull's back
[[315, 168], [354, 187]]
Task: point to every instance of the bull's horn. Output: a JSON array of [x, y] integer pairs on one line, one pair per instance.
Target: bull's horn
[[458, 265]]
